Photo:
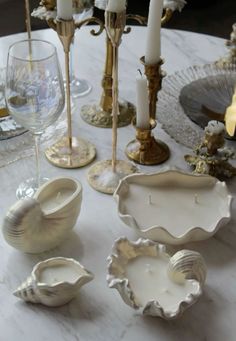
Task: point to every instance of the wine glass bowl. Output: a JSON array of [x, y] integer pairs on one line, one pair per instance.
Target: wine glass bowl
[[34, 92]]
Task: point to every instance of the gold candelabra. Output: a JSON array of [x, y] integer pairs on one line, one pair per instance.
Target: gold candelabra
[[70, 151], [104, 176], [145, 149], [101, 115]]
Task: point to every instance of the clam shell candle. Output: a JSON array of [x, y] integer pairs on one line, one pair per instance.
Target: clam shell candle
[[173, 207], [150, 279], [41, 223], [54, 282]]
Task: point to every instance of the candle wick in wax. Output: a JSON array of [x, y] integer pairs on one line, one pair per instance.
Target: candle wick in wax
[[58, 196], [148, 269], [196, 199], [140, 72], [150, 199]]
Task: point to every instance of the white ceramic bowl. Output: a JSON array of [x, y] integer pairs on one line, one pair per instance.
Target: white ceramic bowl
[[173, 207]]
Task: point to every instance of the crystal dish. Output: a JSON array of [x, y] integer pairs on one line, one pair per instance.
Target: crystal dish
[[191, 98]]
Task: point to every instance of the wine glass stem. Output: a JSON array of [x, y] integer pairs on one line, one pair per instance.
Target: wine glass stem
[[37, 151]]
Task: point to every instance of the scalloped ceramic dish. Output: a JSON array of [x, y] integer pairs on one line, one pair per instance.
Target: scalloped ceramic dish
[[150, 279], [173, 207]]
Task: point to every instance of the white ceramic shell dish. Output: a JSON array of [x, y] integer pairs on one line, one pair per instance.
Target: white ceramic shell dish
[[173, 207], [54, 282], [148, 278], [41, 223]]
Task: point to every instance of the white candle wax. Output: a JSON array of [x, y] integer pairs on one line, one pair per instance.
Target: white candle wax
[[116, 6], [153, 42], [55, 199], [142, 116], [60, 273], [178, 201], [64, 9], [149, 280]]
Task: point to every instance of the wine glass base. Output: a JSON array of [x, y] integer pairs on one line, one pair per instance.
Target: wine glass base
[[29, 187], [96, 116], [79, 87], [81, 154], [101, 177]]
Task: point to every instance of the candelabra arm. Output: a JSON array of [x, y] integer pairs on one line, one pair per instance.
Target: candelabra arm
[[167, 16], [92, 20], [52, 24], [140, 19]]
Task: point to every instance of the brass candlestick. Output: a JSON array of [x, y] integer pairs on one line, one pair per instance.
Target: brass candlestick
[[105, 175], [101, 115], [146, 150], [70, 152]]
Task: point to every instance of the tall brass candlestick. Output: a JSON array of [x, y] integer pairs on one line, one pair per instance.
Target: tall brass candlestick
[[104, 176], [70, 152]]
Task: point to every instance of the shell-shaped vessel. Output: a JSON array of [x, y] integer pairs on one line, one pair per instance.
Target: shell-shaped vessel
[[148, 203], [148, 278], [41, 223], [54, 282]]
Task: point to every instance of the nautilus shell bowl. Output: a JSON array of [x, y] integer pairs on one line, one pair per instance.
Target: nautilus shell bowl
[[149, 279], [41, 223], [173, 207], [54, 282]]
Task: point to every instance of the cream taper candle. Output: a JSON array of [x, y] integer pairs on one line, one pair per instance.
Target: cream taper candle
[[116, 6], [64, 9], [153, 42], [142, 116]]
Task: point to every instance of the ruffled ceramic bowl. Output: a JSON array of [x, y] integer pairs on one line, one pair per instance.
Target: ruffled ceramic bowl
[[149, 279], [173, 207]]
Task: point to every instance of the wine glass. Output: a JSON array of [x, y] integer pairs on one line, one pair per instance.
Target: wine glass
[[34, 94], [79, 87]]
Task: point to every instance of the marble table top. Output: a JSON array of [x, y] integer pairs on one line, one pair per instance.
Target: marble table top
[[99, 314]]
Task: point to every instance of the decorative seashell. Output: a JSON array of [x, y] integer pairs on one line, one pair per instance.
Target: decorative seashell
[[148, 203], [54, 282], [150, 279], [41, 223]]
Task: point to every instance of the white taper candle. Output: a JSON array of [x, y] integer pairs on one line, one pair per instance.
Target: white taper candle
[[64, 9], [142, 116], [116, 6], [153, 42]]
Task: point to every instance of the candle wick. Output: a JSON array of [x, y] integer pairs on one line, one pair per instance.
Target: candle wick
[[58, 196], [148, 269], [140, 72], [196, 199], [150, 199]]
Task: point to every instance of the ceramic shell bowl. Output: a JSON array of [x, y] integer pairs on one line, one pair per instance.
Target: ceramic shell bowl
[[30, 226], [185, 207], [35, 291], [183, 267]]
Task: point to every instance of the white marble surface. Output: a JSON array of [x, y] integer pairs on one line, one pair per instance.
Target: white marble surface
[[99, 314]]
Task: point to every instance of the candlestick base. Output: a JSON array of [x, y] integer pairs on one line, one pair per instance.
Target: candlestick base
[[146, 150], [60, 155], [155, 153], [103, 179], [96, 116]]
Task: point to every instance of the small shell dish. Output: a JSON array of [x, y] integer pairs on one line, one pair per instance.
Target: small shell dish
[[41, 223], [150, 279], [53, 294], [173, 207]]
